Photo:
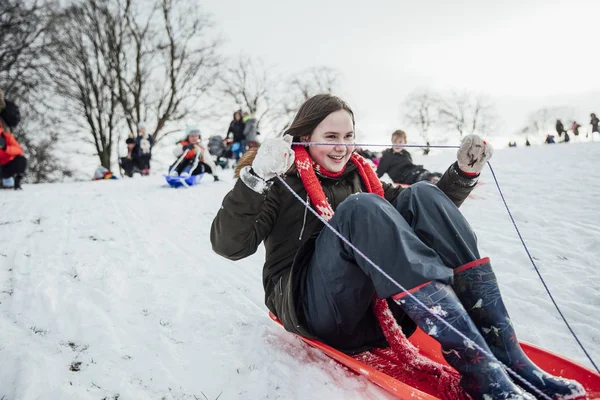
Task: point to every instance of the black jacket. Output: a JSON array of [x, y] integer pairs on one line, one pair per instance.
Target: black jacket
[[247, 218], [236, 128], [396, 164]]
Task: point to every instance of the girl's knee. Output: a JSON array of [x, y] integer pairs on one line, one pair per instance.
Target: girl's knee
[[423, 188], [359, 201]]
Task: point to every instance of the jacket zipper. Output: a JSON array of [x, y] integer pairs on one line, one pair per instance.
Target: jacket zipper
[[305, 212]]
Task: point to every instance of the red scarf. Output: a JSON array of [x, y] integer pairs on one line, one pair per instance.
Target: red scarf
[[307, 167]]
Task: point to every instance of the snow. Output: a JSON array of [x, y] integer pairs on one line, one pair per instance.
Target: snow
[[119, 276]]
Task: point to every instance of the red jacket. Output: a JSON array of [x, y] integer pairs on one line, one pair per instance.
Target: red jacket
[[13, 148], [192, 153]]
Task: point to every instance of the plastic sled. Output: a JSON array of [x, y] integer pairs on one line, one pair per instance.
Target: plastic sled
[[179, 181], [378, 366]]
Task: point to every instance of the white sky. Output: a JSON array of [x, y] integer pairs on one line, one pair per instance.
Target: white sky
[[518, 51]]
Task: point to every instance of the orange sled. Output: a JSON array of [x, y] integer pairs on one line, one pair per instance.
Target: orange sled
[[377, 365]]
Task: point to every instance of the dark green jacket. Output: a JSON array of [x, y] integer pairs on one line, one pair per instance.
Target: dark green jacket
[[288, 230]]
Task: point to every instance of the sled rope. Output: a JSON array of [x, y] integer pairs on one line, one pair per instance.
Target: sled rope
[[373, 145], [179, 160], [539, 274], [433, 314]]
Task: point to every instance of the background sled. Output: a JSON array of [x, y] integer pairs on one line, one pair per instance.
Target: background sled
[[179, 181], [378, 366]]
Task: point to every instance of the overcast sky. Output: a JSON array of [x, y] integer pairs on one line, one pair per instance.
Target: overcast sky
[[521, 52]]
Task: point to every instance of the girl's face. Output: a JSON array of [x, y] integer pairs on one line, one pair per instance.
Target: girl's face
[[398, 142], [336, 128], [194, 139], [237, 116]]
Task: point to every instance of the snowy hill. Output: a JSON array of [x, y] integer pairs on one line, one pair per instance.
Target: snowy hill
[[110, 289]]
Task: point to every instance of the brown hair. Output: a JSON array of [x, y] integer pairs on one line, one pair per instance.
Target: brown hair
[[398, 133], [311, 113]]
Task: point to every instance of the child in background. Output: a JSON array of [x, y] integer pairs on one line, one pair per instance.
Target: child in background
[[196, 159]]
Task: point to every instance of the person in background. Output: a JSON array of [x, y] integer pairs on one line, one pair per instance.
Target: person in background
[[196, 158], [143, 150], [594, 121], [250, 130], [12, 162], [560, 129], [236, 130], [127, 162], [397, 163]]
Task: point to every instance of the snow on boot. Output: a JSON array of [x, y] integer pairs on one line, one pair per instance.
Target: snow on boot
[[476, 286], [482, 377]]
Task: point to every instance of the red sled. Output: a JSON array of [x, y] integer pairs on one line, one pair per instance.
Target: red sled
[[378, 366]]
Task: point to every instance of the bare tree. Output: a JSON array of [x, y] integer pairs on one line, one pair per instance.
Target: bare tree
[[251, 86], [541, 121], [166, 59], [304, 85], [24, 61], [466, 113], [315, 80], [420, 111], [83, 76]]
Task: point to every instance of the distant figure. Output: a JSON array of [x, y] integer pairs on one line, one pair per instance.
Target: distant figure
[[12, 162], [250, 130], [426, 150], [527, 142], [594, 122], [397, 163], [512, 144], [549, 139], [575, 128], [560, 129], [192, 157], [127, 163], [236, 130], [143, 149]]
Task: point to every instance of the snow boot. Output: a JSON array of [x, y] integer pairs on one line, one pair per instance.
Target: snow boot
[[18, 178], [482, 377], [476, 286]]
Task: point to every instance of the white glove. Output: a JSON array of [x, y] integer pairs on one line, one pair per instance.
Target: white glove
[[473, 154], [274, 157]]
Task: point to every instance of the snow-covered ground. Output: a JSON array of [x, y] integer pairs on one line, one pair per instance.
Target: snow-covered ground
[[110, 289]]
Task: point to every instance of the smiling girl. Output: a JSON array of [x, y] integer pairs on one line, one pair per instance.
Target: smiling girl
[[320, 288]]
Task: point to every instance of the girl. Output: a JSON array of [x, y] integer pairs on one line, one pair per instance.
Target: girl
[[320, 288], [196, 161]]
